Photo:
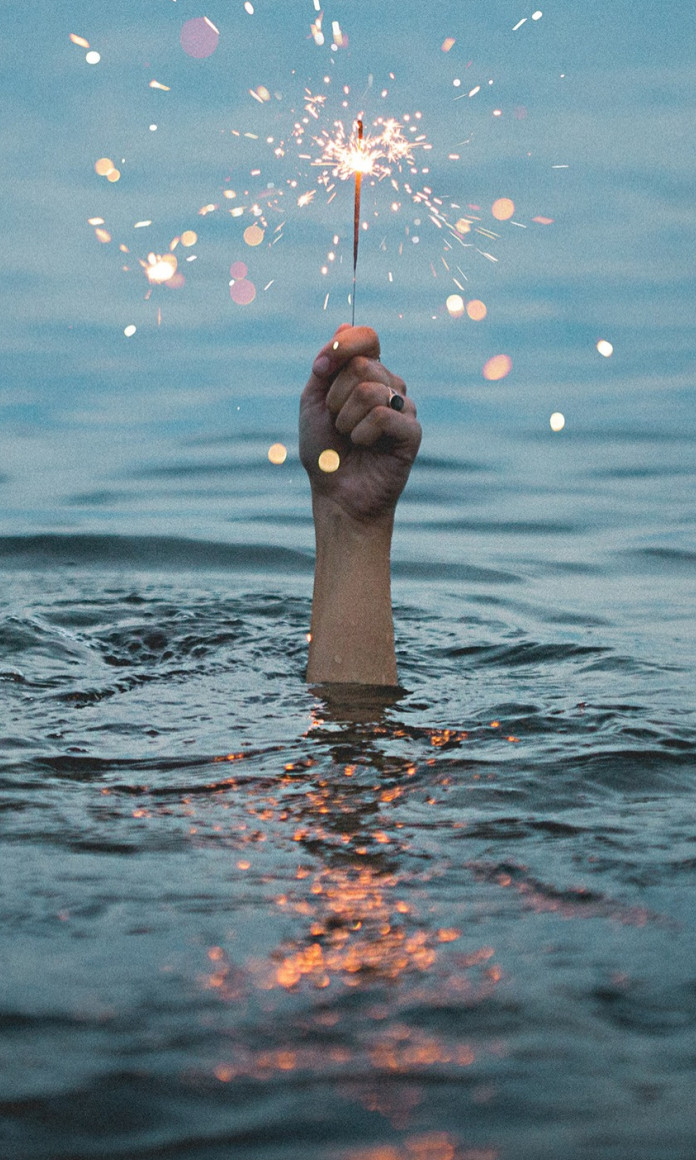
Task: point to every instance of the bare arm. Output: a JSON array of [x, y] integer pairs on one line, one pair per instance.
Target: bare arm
[[345, 408]]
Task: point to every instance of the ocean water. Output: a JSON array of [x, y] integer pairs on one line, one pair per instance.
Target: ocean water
[[244, 917], [247, 918]]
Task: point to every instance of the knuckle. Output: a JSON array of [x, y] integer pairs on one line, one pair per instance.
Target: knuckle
[[363, 392], [360, 366]]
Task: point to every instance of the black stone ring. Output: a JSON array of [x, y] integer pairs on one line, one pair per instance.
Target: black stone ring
[[396, 401]]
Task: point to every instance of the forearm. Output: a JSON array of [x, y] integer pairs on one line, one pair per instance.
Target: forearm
[[352, 633]]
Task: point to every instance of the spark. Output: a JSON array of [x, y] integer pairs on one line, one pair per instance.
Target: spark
[[375, 155], [159, 268]]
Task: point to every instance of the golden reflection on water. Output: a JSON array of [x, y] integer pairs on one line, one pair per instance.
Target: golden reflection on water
[[356, 920]]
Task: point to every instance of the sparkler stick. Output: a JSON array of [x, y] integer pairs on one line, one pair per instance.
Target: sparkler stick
[[356, 217]]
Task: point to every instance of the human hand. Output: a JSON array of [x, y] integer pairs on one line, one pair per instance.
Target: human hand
[[345, 407]]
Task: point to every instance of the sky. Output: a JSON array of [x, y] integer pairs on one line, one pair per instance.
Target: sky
[[580, 114]]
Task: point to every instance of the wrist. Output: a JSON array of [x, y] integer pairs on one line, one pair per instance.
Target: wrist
[[333, 523]]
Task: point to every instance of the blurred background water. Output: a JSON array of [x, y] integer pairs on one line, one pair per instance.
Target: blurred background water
[[244, 917]]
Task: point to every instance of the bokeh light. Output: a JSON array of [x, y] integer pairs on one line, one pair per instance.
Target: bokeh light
[[199, 37], [238, 270], [557, 421], [497, 367], [189, 238], [502, 209], [242, 292], [92, 57], [103, 166], [253, 235], [462, 226], [455, 305], [129, 331], [605, 348], [329, 461], [476, 309], [113, 175], [278, 453]]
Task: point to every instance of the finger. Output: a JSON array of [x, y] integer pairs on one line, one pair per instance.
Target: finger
[[362, 399], [382, 422], [348, 342], [358, 370]]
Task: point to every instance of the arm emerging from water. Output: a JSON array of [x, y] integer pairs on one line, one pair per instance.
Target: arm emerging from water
[[353, 406]]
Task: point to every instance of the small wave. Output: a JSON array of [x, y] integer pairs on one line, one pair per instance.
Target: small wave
[[149, 552], [522, 654], [468, 573], [660, 559]]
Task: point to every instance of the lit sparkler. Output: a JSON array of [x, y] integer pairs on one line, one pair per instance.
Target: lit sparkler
[[352, 156], [356, 217]]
